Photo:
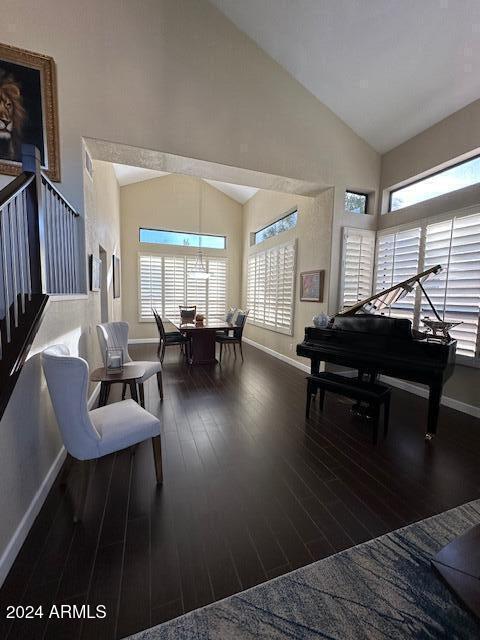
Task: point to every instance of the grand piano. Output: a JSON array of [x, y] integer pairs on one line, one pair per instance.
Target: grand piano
[[363, 339]]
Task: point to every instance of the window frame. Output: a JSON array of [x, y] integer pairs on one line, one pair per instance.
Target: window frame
[[357, 193], [391, 191], [422, 224], [193, 233], [254, 234], [184, 257]]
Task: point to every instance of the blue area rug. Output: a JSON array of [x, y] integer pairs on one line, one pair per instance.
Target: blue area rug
[[384, 588]]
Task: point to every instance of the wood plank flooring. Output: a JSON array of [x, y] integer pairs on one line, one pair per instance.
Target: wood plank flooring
[[251, 491]]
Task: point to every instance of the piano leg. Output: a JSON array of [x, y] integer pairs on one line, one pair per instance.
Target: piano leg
[[433, 408]]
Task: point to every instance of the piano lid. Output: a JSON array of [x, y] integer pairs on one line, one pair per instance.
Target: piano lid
[[384, 299]]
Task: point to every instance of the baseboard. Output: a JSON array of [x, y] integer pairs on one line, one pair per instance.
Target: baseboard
[[276, 354], [143, 341], [395, 382], [8, 556], [11, 551], [470, 409]]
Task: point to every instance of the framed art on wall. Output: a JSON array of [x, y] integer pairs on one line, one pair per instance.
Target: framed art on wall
[[28, 110], [116, 276], [311, 285]]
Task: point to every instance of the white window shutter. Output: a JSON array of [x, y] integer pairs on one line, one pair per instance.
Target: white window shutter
[[151, 290], [357, 264], [398, 256], [270, 288], [165, 285], [455, 292], [217, 287]]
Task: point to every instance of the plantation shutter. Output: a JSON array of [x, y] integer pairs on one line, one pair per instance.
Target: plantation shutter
[[286, 286], [398, 257], [270, 288], [174, 285], [358, 253], [164, 284], [151, 290], [455, 292], [196, 289], [217, 288]]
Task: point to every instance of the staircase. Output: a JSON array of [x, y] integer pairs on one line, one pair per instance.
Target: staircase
[[39, 256]]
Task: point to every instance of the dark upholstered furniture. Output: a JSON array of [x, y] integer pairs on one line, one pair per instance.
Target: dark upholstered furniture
[[236, 337], [174, 338], [375, 395], [187, 314]]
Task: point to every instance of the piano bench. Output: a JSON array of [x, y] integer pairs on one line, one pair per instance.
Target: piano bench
[[375, 394]]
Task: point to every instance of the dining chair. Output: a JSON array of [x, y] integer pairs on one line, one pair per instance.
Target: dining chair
[[188, 313], [114, 335], [169, 339], [229, 316], [88, 435], [237, 336]]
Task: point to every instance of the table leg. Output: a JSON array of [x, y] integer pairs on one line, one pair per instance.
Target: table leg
[[142, 394], [133, 390], [102, 400]]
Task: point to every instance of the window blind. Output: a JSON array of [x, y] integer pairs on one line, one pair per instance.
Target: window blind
[[455, 292], [358, 254], [270, 288], [397, 259], [164, 285]]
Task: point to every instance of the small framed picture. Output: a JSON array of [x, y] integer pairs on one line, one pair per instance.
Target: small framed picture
[[95, 267], [311, 285], [116, 276]]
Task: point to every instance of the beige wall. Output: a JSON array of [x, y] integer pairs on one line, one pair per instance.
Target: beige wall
[[313, 235], [172, 203]]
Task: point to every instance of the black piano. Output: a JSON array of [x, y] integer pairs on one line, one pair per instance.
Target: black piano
[[377, 344]]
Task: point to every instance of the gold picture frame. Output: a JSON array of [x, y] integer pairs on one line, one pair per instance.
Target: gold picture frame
[[28, 80]]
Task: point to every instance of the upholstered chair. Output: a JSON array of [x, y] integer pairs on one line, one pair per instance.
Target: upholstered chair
[[114, 335], [237, 336], [88, 435]]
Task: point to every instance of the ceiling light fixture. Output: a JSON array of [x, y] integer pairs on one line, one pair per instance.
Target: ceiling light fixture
[[199, 271]]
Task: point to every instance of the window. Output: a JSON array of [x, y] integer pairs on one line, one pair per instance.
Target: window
[[270, 288], [164, 285], [357, 276], [355, 202], [455, 292], [397, 259], [284, 224], [457, 177], [453, 243], [182, 239]]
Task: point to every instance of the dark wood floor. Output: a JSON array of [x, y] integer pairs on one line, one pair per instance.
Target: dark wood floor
[[251, 491]]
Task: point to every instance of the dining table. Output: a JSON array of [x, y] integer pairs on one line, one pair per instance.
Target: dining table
[[202, 337]]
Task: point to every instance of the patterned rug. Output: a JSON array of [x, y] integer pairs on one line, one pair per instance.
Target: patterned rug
[[384, 588]]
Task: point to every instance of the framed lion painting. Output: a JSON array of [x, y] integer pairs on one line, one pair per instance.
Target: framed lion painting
[[28, 109]]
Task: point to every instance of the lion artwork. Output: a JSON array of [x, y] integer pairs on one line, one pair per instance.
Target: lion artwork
[[12, 117]]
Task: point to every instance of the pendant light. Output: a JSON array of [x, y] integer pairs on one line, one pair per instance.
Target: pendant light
[[199, 271]]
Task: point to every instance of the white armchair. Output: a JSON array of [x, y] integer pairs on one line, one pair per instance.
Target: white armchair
[[88, 435], [114, 335]]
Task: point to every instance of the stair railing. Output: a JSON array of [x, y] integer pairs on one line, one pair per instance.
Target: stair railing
[[39, 255]]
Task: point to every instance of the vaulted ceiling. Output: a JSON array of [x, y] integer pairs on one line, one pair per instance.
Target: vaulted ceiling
[[388, 68]]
